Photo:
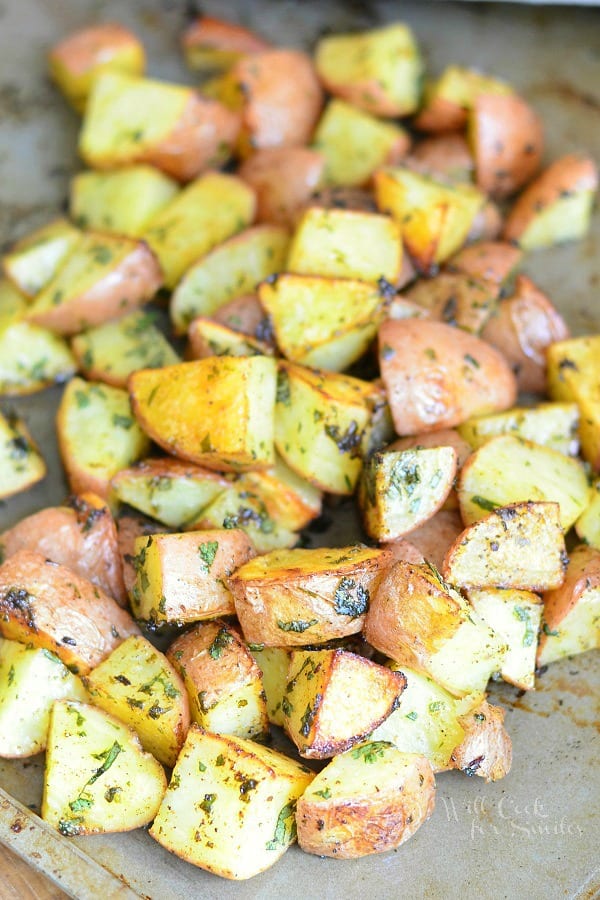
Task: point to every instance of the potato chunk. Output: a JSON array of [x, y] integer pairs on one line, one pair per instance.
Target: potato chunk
[[573, 369], [216, 412], [21, 465], [32, 261], [552, 425], [290, 598], [369, 800], [223, 682], [47, 605], [230, 805], [138, 685], [457, 299], [448, 99], [210, 43], [486, 749], [97, 779], [334, 699], [284, 179]]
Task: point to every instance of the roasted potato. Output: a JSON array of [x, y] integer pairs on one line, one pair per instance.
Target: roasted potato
[[553, 425], [490, 260], [284, 179], [456, 299], [445, 156], [209, 43], [443, 437], [273, 663], [35, 259], [21, 465], [448, 99], [588, 523], [573, 375], [432, 539], [486, 749]]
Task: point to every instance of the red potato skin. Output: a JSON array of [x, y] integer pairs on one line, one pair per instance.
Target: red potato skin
[[491, 260], [443, 155], [403, 549], [284, 179], [92, 46], [129, 528], [583, 572], [218, 34], [435, 537], [81, 536], [566, 175], [440, 116], [430, 379], [445, 437], [244, 314], [124, 288], [283, 99], [522, 329], [508, 142], [487, 223], [486, 749], [50, 606]]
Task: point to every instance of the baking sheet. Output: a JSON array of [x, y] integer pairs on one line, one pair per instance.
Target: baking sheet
[[532, 835]]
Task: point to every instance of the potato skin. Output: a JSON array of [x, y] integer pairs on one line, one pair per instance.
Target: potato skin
[[508, 142], [231, 39], [486, 749], [437, 376], [490, 260], [445, 155], [284, 179], [582, 573]]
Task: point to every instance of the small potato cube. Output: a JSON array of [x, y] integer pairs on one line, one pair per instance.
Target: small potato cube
[[76, 62], [97, 435], [97, 778], [490, 260], [434, 217], [212, 44], [216, 412], [230, 805], [80, 535], [437, 376], [139, 686], [334, 699], [209, 338], [120, 202], [571, 618], [378, 70], [515, 617], [522, 328], [34, 260], [399, 490], [222, 679], [180, 577], [573, 369], [445, 156], [432, 539], [211, 209], [507, 139], [442, 437], [295, 597], [520, 546], [343, 243], [46, 605], [355, 144], [552, 425], [369, 800], [21, 465], [171, 491], [30, 681], [292, 501], [140, 120], [284, 179], [273, 663], [105, 276], [426, 721], [419, 620], [509, 469], [448, 99], [588, 523], [328, 323], [456, 299], [131, 527], [31, 357], [232, 269], [486, 749], [556, 207]]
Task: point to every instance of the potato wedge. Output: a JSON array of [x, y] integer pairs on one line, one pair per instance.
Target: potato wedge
[[222, 679], [290, 598], [509, 469], [21, 465], [571, 619], [522, 328], [140, 120], [137, 684], [515, 616], [97, 778], [209, 338], [588, 523], [417, 619], [36, 258], [491, 260], [181, 577], [273, 663], [76, 62], [369, 800], [209, 43], [443, 437], [321, 714], [232, 269], [120, 202], [456, 299], [216, 412], [104, 277], [518, 546], [448, 99], [553, 425], [245, 819], [112, 351], [205, 213], [129, 528], [399, 490], [169, 490], [355, 144], [437, 376], [507, 139], [30, 681], [486, 749], [556, 207], [46, 605], [80, 535], [284, 179], [292, 501], [97, 435], [573, 375], [378, 70]]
